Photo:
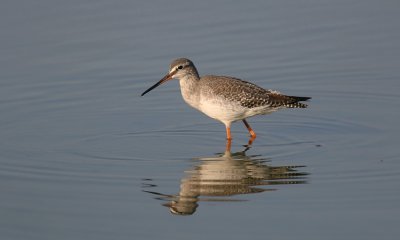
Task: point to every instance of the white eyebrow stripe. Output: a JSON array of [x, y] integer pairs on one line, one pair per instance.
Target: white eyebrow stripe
[[176, 67]]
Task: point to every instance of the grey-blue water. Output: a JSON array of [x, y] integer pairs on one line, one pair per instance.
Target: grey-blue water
[[83, 156]]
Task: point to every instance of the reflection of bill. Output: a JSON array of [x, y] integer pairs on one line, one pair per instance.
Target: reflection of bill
[[225, 175]]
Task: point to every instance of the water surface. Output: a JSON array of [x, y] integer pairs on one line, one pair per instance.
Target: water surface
[[83, 156]]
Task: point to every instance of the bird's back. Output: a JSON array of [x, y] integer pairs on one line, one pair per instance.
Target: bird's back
[[247, 94]]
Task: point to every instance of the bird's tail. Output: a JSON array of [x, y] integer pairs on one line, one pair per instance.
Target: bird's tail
[[277, 100], [295, 102]]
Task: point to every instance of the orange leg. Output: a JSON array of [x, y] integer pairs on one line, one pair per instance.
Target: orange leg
[[228, 139], [252, 133], [228, 146], [251, 140], [228, 134]]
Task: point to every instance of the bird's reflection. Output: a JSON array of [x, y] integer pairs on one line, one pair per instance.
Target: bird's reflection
[[225, 175]]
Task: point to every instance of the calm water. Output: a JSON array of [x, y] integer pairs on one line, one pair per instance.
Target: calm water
[[83, 156]]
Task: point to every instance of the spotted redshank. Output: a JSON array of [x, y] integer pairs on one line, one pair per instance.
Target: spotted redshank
[[226, 99]]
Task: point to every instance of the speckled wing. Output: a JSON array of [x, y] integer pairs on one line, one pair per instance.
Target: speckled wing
[[250, 95]]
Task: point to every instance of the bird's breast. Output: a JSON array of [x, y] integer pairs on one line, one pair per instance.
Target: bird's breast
[[190, 91]]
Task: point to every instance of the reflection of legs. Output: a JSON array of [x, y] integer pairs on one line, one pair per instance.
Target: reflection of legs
[[252, 133]]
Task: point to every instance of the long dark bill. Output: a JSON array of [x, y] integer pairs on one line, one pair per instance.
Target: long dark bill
[[164, 79]]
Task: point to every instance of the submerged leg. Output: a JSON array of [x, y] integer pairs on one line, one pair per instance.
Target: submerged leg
[[252, 133]]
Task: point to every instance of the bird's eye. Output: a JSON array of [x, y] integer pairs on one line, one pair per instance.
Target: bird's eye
[[180, 67]]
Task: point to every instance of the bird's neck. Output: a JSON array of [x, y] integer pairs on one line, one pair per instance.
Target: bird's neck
[[190, 89]]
